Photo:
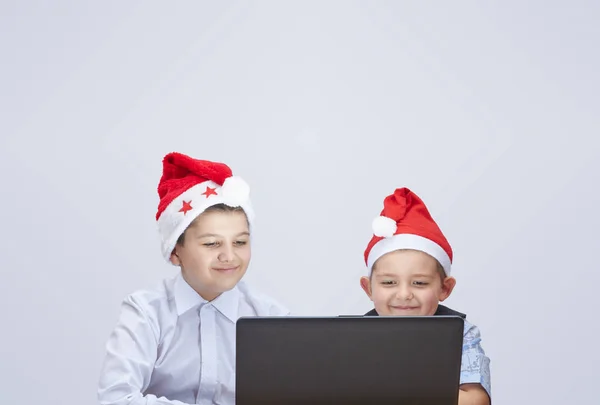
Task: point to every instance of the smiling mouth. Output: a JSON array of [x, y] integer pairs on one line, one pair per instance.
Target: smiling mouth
[[404, 308], [226, 269]]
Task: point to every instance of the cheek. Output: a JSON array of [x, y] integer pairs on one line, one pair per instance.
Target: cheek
[[200, 259], [381, 294], [381, 298], [429, 295], [244, 253]]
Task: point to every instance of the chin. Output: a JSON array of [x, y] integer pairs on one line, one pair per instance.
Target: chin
[[226, 285]]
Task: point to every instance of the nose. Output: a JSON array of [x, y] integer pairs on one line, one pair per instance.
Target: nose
[[226, 254], [404, 292]]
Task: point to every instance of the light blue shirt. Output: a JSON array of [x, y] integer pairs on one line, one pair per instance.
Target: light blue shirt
[[171, 347], [475, 365]]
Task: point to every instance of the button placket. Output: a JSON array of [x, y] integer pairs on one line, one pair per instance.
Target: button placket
[[208, 349]]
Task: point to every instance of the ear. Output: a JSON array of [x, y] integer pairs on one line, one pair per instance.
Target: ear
[[447, 286], [174, 258], [365, 283]]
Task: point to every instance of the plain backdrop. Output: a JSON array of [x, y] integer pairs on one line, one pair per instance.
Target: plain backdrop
[[487, 110]]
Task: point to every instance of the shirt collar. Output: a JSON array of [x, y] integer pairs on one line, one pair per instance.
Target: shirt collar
[[187, 298]]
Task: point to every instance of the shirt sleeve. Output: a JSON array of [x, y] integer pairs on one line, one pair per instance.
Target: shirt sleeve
[[475, 365], [131, 352]]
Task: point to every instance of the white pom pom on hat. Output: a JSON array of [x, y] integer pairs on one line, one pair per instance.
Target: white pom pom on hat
[[384, 227], [235, 191]]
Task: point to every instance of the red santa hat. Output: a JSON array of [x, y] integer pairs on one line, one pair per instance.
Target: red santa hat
[[187, 188], [405, 223]]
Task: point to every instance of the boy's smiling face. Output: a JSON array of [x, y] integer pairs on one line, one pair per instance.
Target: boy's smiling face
[[215, 253], [407, 282]]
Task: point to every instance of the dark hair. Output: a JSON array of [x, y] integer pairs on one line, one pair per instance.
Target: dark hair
[[441, 272], [213, 208]]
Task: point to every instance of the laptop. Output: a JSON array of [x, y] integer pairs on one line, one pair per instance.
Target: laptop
[[348, 360]]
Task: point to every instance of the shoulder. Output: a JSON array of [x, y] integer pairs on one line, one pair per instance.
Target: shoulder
[[471, 333], [158, 294], [262, 304], [151, 304], [444, 310]]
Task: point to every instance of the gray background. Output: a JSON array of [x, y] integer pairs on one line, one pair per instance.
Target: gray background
[[488, 110]]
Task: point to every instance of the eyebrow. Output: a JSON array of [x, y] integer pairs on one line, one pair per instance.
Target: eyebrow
[[385, 275], [214, 235]]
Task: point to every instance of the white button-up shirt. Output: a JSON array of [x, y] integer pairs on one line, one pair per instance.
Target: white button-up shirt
[[172, 347]]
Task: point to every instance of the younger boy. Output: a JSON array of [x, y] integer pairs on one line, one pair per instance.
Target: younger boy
[[409, 261], [175, 344]]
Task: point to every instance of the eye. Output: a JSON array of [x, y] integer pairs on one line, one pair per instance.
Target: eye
[[388, 282], [241, 242], [420, 283], [210, 244]]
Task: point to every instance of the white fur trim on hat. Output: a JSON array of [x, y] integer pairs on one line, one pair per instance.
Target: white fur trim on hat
[[409, 241], [173, 221], [384, 226]]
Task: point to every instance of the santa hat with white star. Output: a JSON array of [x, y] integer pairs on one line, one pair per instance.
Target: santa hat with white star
[[187, 188], [405, 223]]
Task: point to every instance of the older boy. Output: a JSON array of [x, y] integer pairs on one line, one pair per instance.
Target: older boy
[[175, 344], [409, 262]]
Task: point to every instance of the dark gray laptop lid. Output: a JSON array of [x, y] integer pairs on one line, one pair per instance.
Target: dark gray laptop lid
[[348, 360]]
